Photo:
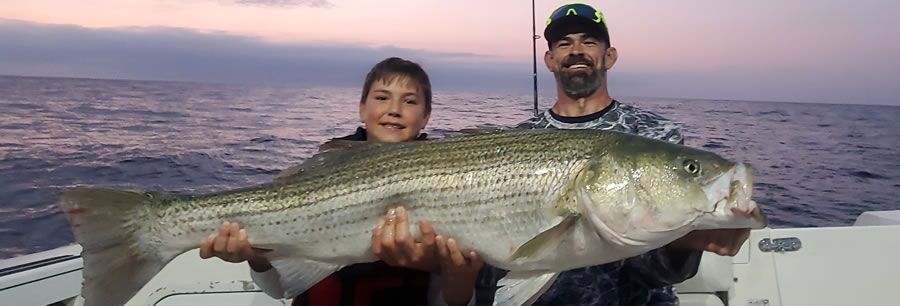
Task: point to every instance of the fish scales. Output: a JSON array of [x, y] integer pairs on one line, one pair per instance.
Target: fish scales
[[327, 199]]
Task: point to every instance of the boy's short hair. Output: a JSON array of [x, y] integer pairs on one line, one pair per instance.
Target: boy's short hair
[[393, 68]]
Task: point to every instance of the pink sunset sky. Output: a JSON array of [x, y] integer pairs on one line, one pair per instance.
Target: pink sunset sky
[[774, 50]]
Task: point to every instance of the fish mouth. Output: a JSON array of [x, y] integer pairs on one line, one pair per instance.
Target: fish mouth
[[730, 196]]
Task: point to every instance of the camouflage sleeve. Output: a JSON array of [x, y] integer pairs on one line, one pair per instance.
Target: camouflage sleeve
[[537, 122], [653, 125], [663, 267], [674, 136]]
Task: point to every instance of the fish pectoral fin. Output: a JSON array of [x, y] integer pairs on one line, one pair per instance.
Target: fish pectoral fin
[[523, 287], [547, 240], [297, 275]]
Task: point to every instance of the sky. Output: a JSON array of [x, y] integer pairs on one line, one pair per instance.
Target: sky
[[823, 51]]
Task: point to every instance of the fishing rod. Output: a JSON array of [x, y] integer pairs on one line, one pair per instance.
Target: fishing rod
[[534, 39]]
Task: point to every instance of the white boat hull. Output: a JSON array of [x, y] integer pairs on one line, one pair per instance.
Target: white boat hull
[[850, 265]]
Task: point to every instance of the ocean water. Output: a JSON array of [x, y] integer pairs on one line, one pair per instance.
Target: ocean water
[[816, 164]]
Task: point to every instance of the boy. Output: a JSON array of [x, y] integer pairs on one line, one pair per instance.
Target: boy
[[395, 106]]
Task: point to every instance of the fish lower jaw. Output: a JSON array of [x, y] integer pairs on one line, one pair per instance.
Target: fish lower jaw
[[743, 206], [748, 215]]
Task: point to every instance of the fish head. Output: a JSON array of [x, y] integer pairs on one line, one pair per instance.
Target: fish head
[[639, 188], [729, 200]]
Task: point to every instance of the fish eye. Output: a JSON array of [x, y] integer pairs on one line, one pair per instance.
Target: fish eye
[[692, 167]]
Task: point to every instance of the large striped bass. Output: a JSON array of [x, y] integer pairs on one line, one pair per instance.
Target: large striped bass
[[534, 202]]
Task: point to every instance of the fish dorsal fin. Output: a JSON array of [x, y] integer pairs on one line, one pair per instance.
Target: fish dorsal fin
[[287, 174], [331, 151], [343, 145], [546, 241]]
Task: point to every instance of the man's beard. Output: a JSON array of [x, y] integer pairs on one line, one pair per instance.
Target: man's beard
[[579, 84]]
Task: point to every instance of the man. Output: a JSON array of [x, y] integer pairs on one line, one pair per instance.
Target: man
[[579, 56]]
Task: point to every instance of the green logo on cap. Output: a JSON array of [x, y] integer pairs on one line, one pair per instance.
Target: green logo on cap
[[598, 16]]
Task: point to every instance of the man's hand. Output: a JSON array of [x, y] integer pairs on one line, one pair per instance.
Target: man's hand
[[725, 242], [393, 244], [230, 244]]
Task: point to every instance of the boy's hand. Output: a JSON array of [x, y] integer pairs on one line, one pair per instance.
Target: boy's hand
[[393, 244], [230, 244], [458, 272]]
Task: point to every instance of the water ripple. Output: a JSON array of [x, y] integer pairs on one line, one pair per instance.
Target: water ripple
[[816, 165]]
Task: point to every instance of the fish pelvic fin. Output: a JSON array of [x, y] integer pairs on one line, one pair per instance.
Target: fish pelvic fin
[[523, 287], [331, 152], [114, 270]]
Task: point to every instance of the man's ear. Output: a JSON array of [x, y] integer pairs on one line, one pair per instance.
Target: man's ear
[[548, 61], [610, 58], [362, 110]]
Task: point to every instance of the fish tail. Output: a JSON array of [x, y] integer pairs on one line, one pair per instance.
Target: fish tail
[[114, 269]]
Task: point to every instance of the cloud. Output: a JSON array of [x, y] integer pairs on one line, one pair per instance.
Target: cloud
[[160, 53], [285, 3], [178, 54]]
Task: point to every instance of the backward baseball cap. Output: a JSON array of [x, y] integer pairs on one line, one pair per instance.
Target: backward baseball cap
[[576, 18]]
